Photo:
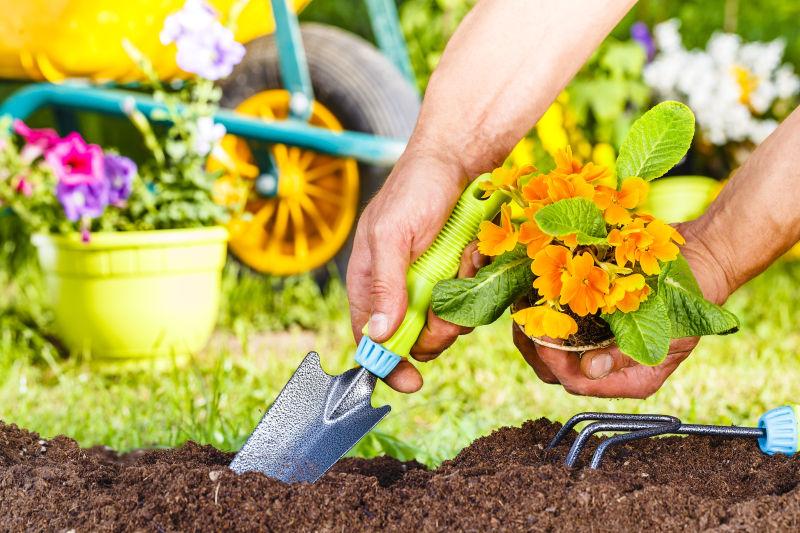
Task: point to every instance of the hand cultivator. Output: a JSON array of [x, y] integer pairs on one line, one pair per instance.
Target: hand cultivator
[[777, 431]]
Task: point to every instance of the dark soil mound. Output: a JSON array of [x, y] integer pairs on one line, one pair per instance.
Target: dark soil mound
[[504, 481]]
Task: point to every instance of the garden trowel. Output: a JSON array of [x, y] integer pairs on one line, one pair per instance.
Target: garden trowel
[[317, 417]]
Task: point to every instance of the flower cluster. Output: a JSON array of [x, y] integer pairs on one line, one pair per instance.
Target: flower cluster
[[572, 279], [731, 86], [86, 180], [205, 46]]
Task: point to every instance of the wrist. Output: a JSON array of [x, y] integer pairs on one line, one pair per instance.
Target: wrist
[[709, 259]]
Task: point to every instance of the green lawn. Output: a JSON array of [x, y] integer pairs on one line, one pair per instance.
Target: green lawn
[[478, 385]]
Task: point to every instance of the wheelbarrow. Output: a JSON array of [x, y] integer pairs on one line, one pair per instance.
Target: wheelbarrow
[[316, 116]]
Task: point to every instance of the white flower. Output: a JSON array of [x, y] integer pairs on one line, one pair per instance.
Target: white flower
[[787, 83], [207, 135], [667, 36], [731, 86]]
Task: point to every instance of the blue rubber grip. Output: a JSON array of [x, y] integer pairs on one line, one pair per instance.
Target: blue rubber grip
[[781, 431], [375, 358]]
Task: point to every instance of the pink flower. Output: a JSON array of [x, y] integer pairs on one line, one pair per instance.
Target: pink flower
[[24, 187], [75, 162], [44, 139]]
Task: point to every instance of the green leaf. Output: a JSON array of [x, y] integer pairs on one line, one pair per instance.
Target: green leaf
[[643, 334], [481, 300], [573, 215], [656, 142], [691, 314]]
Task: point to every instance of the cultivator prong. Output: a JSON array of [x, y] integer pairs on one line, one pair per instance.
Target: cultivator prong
[[642, 426]]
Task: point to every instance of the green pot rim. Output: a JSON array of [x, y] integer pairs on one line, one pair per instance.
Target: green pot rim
[[110, 240]]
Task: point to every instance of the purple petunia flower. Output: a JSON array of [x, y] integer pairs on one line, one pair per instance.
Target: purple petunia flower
[[210, 54], [196, 16], [83, 201], [119, 173], [641, 33], [75, 162]]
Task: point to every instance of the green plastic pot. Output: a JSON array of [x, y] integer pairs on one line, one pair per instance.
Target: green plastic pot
[[680, 198], [134, 297]]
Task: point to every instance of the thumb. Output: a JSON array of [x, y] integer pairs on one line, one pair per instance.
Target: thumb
[[597, 364], [388, 294]]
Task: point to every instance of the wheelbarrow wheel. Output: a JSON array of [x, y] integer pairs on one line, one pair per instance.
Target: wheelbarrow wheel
[[310, 221]]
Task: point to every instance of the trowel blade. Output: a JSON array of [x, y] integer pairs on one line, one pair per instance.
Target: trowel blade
[[312, 423]]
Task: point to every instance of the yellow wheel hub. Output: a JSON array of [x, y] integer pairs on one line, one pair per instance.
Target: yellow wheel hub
[[308, 221]]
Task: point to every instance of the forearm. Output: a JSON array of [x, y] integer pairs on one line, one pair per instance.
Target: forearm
[[756, 218], [502, 68]]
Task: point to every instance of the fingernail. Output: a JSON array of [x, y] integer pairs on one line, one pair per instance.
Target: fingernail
[[477, 259], [378, 323], [600, 366]]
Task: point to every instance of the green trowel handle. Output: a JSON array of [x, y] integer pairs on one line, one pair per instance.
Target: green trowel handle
[[441, 260]]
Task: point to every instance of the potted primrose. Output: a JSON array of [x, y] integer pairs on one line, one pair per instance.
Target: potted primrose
[[588, 268], [132, 256]]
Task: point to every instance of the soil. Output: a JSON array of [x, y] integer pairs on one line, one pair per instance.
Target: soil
[[506, 481], [592, 330]]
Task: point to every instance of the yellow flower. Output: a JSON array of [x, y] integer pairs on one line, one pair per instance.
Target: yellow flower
[[544, 321], [626, 294], [617, 203], [530, 234], [584, 286], [504, 178], [550, 266], [494, 239]]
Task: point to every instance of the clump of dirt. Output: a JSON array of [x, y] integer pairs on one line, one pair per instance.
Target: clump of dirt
[[505, 481]]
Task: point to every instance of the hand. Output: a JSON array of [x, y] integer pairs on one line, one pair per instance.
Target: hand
[[607, 372], [396, 227]]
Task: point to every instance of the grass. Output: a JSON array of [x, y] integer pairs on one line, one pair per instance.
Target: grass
[[476, 386]]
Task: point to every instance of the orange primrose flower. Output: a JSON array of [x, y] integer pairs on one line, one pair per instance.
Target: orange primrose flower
[[616, 203], [559, 188], [648, 244], [530, 234], [567, 165], [535, 191], [550, 267], [585, 285], [504, 178], [494, 239], [628, 240], [544, 321], [626, 294], [663, 247]]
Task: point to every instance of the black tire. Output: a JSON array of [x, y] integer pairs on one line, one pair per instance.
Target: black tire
[[360, 86]]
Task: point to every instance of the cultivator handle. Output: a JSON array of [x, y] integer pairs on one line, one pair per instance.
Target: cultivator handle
[[781, 430], [439, 262]]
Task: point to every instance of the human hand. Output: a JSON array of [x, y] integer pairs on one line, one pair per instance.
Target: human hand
[[607, 372], [397, 226]]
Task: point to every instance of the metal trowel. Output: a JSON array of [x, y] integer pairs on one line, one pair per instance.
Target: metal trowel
[[317, 417]]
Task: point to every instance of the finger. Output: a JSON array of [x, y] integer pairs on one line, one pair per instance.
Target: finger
[[528, 350], [359, 280], [438, 334], [388, 296], [597, 364], [404, 378], [436, 337]]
